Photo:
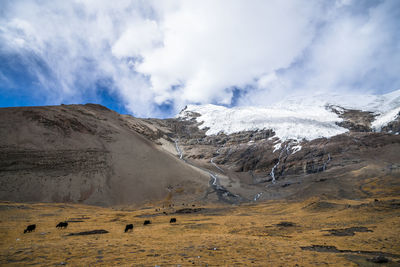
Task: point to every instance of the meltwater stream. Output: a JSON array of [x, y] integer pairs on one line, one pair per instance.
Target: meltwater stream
[[222, 193]]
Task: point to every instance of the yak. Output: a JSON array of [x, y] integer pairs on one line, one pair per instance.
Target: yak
[[128, 227], [30, 228], [146, 222], [62, 225]]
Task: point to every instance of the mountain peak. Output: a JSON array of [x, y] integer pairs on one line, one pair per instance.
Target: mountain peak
[[297, 117]]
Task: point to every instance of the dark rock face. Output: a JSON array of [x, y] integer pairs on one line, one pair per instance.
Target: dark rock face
[[64, 124], [47, 161], [354, 120]]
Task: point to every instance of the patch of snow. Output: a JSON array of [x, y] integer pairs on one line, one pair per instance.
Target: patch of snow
[[296, 148], [277, 147], [383, 119], [256, 197]]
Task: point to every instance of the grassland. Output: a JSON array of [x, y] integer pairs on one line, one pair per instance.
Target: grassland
[[248, 235]]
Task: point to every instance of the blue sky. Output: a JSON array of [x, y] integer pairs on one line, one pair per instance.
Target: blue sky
[[20, 87], [151, 58]]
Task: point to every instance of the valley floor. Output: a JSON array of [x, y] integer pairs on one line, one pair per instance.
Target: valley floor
[[314, 232]]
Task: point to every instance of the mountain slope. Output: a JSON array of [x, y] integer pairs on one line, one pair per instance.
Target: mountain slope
[[85, 154], [318, 146], [299, 147]]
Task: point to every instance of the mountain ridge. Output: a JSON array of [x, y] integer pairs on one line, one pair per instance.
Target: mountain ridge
[[90, 154]]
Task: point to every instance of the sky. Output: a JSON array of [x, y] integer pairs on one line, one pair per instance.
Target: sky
[[151, 58]]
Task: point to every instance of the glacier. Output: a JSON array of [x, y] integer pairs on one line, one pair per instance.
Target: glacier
[[295, 118]]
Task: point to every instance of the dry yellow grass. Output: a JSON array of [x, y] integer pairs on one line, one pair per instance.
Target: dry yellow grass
[[245, 235]]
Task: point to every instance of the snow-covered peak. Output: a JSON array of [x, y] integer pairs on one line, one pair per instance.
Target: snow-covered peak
[[386, 107], [374, 103], [294, 118], [298, 124]]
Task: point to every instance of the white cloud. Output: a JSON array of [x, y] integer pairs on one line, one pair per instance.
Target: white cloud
[[351, 52], [213, 45], [138, 39], [352, 48], [180, 52]]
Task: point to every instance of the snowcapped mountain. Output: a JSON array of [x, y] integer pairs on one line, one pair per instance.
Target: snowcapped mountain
[[297, 117], [207, 153], [289, 148]]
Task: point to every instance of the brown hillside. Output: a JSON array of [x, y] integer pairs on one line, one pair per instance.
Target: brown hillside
[[88, 154]]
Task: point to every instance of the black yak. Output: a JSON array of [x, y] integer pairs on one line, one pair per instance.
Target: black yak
[[30, 228], [173, 220], [62, 225], [146, 222], [128, 227]]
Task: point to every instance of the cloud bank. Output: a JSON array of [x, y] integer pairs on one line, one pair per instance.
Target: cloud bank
[[158, 56]]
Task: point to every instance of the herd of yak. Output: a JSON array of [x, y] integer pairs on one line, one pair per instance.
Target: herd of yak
[[64, 225]]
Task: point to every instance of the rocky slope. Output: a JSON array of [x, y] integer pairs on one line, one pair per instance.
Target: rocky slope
[[295, 148], [256, 165], [89, 154]]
